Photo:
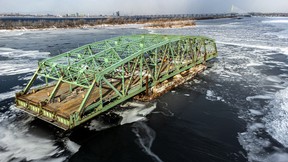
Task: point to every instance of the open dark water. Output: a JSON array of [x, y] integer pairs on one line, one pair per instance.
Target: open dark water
[[237, 110]]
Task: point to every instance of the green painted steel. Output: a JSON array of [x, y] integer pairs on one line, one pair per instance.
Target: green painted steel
[[119, 64]]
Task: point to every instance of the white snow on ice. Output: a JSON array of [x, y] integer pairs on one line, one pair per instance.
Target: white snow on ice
[[19, 61]]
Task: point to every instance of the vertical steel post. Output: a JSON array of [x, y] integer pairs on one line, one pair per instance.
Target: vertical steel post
[[100, 94], [141, 70], [205, 52], [123, 80], [147, 86]]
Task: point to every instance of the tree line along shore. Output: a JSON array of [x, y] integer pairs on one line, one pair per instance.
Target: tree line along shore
[[80, 23]]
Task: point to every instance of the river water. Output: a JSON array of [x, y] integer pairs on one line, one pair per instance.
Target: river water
[[237, 110]]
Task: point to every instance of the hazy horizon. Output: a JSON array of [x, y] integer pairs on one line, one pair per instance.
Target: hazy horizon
[[134, 7]]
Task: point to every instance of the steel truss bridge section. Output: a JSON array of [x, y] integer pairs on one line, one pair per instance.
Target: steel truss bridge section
[[89, 80]]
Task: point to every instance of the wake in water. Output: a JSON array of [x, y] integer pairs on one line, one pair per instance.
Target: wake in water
[[145, 137], [133, 112], [129, 112], [138, 113]]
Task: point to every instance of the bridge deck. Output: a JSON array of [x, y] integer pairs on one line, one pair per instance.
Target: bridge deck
[[67, 103]]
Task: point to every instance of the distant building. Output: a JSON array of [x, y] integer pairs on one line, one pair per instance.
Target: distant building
[[118, 13]]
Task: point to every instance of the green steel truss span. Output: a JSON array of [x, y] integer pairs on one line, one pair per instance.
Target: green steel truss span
[[107, 73]]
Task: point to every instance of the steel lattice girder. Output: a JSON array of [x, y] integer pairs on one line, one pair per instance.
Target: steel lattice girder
[[119, 67], [80, 66]]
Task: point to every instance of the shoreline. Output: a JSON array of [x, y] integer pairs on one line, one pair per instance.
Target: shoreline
[[148, 25], [67, 24], [84, 27], [142, 23]]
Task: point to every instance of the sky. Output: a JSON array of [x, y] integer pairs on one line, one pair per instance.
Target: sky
[[139, 7]]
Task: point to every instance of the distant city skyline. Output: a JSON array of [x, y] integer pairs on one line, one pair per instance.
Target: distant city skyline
[[134, 7]]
